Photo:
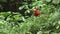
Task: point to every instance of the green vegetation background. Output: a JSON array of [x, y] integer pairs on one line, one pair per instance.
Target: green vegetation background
[[46, 23]]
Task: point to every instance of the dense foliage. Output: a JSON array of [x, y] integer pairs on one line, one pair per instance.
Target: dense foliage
[[23, 21]]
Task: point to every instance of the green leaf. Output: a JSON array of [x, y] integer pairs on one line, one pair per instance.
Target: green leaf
[[56, 1]]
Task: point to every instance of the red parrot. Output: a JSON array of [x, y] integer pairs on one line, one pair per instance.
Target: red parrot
[[36, 12]]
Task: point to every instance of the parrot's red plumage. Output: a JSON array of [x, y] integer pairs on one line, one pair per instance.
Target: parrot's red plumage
[[36, 12]]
